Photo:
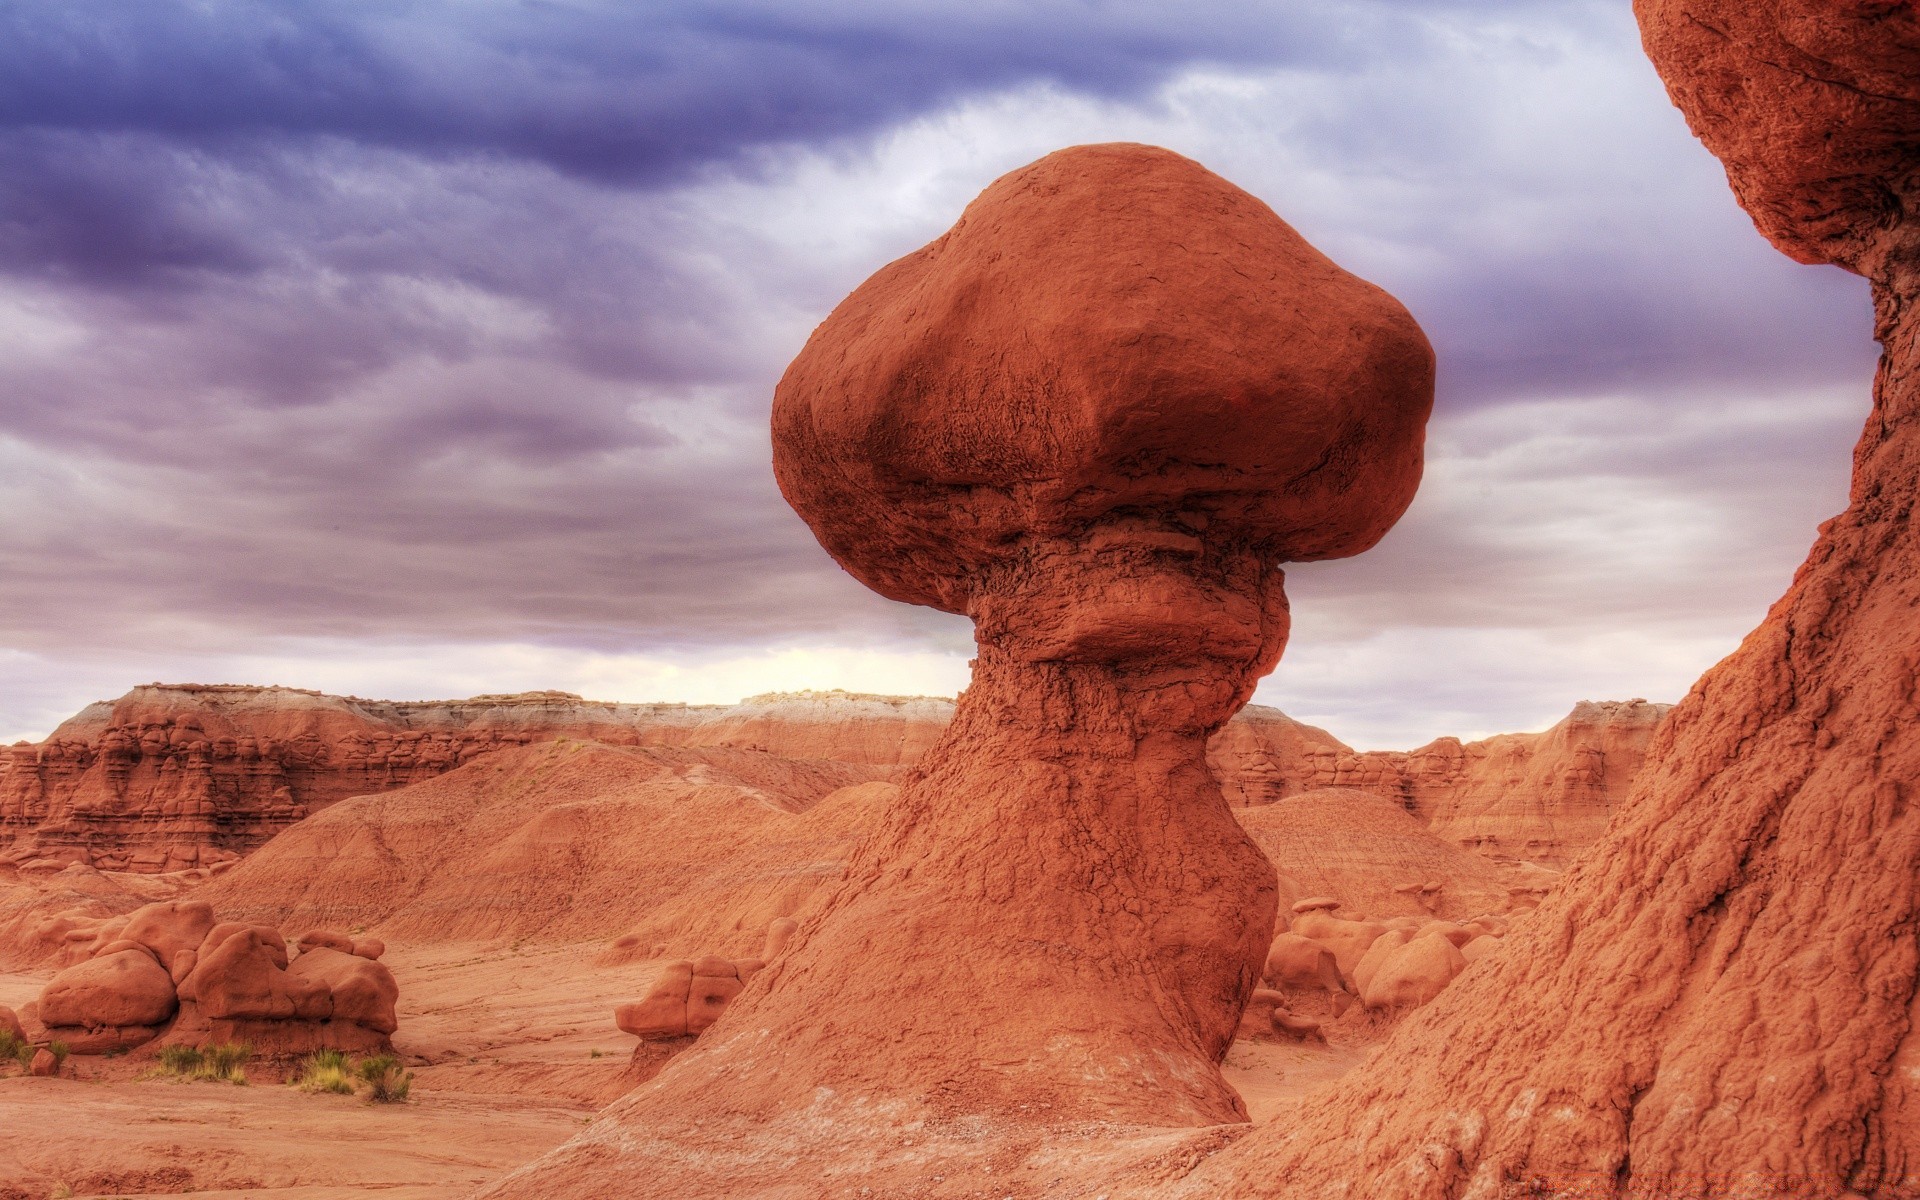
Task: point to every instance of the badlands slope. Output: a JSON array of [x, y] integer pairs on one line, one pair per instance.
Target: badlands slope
[[540, 867]]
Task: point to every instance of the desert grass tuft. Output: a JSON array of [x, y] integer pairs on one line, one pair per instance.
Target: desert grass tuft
[[225, 1063], [15, 1049], [324, 1071], [387, 1082]]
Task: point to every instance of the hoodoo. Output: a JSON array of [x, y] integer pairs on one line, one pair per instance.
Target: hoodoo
[[1095, 416], [1719, 1000]]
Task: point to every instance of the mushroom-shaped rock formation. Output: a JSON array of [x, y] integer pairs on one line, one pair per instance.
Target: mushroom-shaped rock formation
[[1094, 416]]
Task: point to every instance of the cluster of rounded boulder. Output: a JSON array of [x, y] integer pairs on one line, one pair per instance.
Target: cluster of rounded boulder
[[1324, 962], [173, 973], [690, 994]]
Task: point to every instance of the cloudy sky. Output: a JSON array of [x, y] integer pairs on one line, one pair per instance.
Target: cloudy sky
[[422, 349]]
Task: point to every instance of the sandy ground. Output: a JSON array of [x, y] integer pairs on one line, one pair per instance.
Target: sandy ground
[[513, 1049]]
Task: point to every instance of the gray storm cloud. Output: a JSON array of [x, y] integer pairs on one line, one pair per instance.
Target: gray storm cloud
[[456, 325]]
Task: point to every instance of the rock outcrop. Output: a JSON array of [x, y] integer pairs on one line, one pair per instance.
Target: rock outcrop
[[171, 971], [1093, 417], [1720, 999], [677, 852], [1534, 797], [1372, 855], [169, 778]]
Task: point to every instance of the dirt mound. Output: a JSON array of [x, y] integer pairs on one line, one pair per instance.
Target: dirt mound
[[1372, 855], [566, 841], [1719, 999]]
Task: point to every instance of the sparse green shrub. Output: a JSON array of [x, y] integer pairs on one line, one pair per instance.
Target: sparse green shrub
[[226, 1062], [59, 1050], [61, 1191], [387, 1082], [596, 1053], [179, 1060], [208, 1064], [324, 1071], [17, 1049]]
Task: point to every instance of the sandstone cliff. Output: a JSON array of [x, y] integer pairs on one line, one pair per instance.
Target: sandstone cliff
[[1719, 1000], [171, 777]]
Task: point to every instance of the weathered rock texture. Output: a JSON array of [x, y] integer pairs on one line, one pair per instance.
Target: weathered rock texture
[[682, 851], [1375, 857], [172, 778], [1094, 417], [171, 971], [1719, 999], [168, 778]]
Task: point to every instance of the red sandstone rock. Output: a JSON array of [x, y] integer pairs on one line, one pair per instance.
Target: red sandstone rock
[[124, 988], [169, 927], [10, 1024], [1414, 973], [1372, 854], [325, 939], [1375, 956], [690, 850], [662, 1012], [1479, 947], [1720, 999], [240, 979], [363, 992], [1300, 964], [1094, 417], [174, 778], [44, 1064]]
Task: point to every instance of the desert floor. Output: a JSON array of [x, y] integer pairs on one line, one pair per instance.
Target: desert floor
[[513, 1049]]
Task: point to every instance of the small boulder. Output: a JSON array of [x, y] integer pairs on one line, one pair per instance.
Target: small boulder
[[1415, 973], [125, 944], [364, 992], [662, 1012], [1383, 948], [715, 983], [169, 927], [326, 938], [1479, 947], [124, 988], [44, 1063], [779, 932], [239, 979], [269, 937]]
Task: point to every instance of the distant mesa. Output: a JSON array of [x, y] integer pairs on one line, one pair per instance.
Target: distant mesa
[[191, 777]]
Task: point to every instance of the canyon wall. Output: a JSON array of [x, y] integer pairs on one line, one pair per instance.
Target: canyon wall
[[173, 777], [170, 777], [1720, 997]]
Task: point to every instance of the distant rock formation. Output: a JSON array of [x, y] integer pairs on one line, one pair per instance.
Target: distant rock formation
[[173, 777], [172, 972], [1535, 797], [182, 777], [1374, 856], [676, 851]]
